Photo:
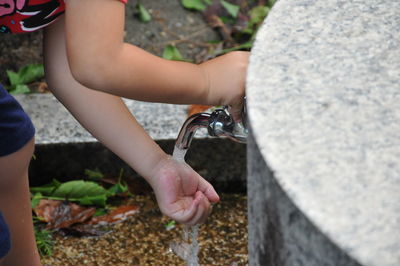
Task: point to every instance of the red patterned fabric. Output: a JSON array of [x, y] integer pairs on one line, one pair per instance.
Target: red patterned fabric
[[19, 16]]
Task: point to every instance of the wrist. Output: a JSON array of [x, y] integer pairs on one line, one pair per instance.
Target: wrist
[[206, 84], [156, 167]]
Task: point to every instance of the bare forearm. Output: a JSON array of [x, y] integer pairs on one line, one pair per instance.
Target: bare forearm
[[100, 60], [134, 73], [105, 116], [108, 120]]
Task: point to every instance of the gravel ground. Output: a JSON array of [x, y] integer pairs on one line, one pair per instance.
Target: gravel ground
[[144, 240]]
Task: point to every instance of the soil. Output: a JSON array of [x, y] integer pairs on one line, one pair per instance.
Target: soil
[[170, 24], [144, 240]]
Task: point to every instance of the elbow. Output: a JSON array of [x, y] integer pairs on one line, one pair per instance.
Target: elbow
[[91, 71]]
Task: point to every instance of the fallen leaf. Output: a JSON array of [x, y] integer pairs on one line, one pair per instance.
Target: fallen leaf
[[196, 108], [43, 87], [224, 30], [115, 216], [60, 214]]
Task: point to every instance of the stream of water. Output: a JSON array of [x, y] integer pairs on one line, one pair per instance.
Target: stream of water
[[189, 249]]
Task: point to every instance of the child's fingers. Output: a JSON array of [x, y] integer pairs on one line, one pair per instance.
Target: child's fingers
[[202, 211], [183, 215], [195, 218], [206, 212], [208, 190]]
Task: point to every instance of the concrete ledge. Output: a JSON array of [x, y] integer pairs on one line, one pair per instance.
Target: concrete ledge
[[55, 125], [64, 149]]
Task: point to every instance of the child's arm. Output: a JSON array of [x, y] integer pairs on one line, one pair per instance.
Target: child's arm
[[181, 193], [100, 60]]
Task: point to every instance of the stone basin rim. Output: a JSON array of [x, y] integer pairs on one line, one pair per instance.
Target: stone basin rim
[[288, 66]]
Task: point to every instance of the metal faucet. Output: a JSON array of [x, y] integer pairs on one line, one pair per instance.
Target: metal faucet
[[219, 123]]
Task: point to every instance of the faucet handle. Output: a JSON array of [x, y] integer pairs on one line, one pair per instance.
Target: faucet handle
[[221, 123]]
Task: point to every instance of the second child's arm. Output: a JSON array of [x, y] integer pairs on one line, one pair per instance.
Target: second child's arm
[[101, 60]]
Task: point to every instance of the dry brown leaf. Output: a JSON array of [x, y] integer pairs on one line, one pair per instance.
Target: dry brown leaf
[[117, 215], [196, 108], [59, 214], [43, 87]]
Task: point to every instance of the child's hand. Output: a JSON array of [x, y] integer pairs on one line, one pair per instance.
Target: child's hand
[[226, 76], [181, 193]]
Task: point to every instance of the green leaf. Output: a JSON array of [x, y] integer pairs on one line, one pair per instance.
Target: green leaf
[[100, 212], [13, 78], [227, 20], [232, 9], [94, 174], [78, 188], [99, 200], [257, 14], [170, 225], [271, 2], [118, 188], [85, 192], [31, 73], [172, 53], [20, 89], [47, 189], [194, 4], [25, 75], [144, 15], [35, 200], [214, 42]]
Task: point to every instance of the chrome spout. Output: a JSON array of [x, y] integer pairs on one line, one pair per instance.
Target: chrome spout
[[219, 124], [189, 128]]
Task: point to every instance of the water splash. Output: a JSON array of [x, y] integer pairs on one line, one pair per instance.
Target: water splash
[[189, 249]]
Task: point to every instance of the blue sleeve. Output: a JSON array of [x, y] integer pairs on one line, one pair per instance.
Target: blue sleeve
[[5, 242], [16, 128]]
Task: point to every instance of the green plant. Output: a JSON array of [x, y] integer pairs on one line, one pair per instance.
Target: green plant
[[62, 211], [170, 225], [94, 175], [44, 241], [142, 13], [198, 5], [19, 80], [80, 191], [119, 187], [83, 192], [236, 21], [171, 52], [232, 9]]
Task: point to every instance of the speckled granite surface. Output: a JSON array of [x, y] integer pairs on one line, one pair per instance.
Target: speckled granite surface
[[323, 99], [54, 124], [65, 149]]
